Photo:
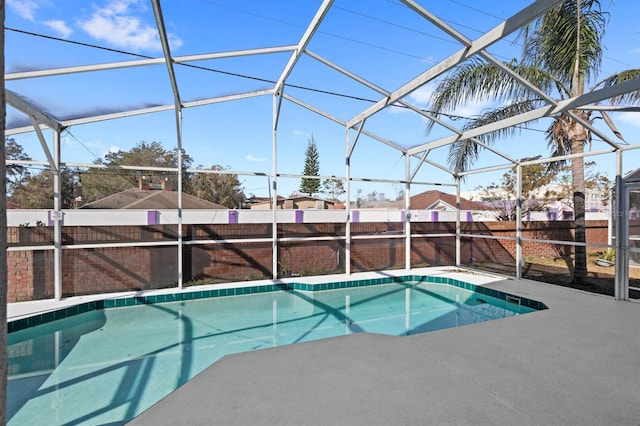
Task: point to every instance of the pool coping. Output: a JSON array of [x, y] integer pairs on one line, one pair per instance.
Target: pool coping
[[312, 284]]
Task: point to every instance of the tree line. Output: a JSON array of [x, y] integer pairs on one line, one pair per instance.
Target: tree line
[[34, 190]]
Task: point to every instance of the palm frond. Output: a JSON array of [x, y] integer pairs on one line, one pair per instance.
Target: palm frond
[[463, 153], [555, 41], [611, 125], [501, 113], [477, 80], [626, 98]]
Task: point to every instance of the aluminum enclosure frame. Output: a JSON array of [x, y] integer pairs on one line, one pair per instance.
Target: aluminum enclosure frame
[[356, 124]]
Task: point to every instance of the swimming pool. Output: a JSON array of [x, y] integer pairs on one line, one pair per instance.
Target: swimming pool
[[109, 362]]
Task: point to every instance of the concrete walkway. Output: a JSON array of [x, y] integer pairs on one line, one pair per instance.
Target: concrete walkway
[[577, 363]]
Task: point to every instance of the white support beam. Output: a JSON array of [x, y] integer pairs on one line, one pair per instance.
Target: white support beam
[[519, 201], [228, 98], [437, 22], [166, 49], [43, 143], [273, 191], [407, 210], [504, 29], [145, 62], [32, 111], [302, 45], [546, 111], [546, 97], [150, 110], [313, 109], [401, 102], [343, 123], [56, 215], [355, 140]]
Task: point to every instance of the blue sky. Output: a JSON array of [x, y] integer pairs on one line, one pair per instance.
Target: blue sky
[[379, 40]]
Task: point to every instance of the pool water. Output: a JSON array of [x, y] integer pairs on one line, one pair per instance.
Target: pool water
[[109, 365]]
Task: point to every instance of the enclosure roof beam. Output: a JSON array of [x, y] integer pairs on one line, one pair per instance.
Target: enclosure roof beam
[[144, 62], [615, 108], [467, 42], [302, 45], [43, 143], [384, 141], [32, 111], [504, 29], [549, 110], [423, 158], [166, 49], [142, 111], [228, 98], [401, 102], [351, 148], [538, 161], [337, 120], [312, 108], [546, 97], [437, 22]]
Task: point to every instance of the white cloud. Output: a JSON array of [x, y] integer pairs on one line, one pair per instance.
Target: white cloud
[[24, 8], [59, 27], [253, 159], [422, 95], [300, 133], [113, 149], [632, 118], [118, 24]]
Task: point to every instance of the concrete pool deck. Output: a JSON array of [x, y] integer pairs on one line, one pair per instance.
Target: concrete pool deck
[[576, 363]]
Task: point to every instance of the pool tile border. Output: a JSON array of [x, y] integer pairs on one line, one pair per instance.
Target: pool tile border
[[46, 317]]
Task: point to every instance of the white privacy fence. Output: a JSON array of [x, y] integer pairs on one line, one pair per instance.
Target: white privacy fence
[[111, 217]]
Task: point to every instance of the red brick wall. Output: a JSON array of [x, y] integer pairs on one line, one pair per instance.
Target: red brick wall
[[98, 270]]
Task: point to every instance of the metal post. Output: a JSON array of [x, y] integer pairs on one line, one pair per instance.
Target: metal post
[[57, 219], [621, 282], [458, 230], [407, 209], [177, 106], [274, 192], [519, 260], [622, 224], [347, 231], [180, 177]]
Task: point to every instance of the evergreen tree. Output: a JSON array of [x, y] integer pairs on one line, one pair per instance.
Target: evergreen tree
[[308, 185]]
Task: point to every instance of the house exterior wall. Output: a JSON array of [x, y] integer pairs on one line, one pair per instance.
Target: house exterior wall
[[242, 252]]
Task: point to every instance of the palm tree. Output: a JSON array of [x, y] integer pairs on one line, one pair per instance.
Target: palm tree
[[562, 52]]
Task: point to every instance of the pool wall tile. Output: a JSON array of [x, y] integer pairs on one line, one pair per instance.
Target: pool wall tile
[[39, 319]]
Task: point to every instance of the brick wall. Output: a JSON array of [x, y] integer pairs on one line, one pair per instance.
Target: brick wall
[[98, 270]]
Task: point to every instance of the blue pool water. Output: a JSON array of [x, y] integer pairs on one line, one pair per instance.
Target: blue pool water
[[109, 365]]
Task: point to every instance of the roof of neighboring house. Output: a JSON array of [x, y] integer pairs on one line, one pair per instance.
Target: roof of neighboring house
[[256, 200], [309, 198], [150, 199], [633, 176], [429, 200], [295, 200], [12, 205]]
